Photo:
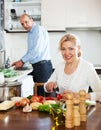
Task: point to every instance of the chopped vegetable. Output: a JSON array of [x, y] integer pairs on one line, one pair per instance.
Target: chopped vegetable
[[29, 97], [43, 107], [90, 102], [8, 72], [46, 108]]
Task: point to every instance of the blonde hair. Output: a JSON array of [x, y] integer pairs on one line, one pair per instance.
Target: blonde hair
[[72, 38]]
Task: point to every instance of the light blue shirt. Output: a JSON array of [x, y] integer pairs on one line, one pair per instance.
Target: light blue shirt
[[38, 45]]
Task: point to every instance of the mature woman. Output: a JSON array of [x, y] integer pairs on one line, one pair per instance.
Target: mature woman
[[74, 74]]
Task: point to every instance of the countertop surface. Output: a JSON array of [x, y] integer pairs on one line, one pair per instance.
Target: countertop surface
[[16, 119], [20, 74], [97, 67]]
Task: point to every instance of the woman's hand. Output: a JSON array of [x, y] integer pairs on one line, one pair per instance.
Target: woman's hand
[[65, 92], [51, 86]]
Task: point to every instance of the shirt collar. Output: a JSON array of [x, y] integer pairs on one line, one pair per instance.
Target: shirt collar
[[34, 24]]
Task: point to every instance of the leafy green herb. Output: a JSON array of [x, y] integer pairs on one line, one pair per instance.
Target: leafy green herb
[[46, 108], [8, 72], [29, 97]]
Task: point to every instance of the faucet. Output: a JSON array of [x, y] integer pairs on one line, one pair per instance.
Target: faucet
[[7, 63]]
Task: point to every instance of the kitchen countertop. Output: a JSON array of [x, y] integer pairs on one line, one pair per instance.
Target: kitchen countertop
[[98, 67], [15, 119], [20, 74]]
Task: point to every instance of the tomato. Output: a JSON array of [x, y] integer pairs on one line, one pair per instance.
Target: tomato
[[17, 104], [24, 102], [59, 96], [34, 98], [40, 98], [49, 98]]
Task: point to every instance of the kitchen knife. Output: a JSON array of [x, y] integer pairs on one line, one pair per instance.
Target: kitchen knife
[[56, 89]]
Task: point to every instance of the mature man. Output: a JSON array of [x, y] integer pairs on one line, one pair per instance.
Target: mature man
[[38, 53]]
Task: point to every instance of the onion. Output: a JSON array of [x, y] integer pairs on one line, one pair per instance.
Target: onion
[[24, 102]]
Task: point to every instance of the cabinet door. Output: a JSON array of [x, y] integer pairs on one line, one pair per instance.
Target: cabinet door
[[53, 15], [13, 11], [85, 13]]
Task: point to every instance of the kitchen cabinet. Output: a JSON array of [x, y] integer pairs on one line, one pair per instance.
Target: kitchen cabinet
[[53, 15], [58, 15], [85, 13], [13, 11]]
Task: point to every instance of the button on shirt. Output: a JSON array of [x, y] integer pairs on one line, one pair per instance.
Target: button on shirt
[[38, 45]]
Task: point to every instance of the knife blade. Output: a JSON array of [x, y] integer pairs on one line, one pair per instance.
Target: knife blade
[[56, 89]]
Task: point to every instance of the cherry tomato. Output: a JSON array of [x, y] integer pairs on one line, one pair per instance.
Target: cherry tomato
[[34, 98], [17, 104], [59, 96]]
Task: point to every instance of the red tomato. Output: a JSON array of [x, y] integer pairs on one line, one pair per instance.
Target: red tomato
[[17, 104], [34, 98], [59, 96], [49, 98], [40, 98]]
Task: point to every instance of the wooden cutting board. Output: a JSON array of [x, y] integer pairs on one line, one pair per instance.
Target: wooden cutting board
[[6, 105]]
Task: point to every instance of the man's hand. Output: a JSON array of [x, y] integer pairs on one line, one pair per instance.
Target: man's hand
[[18, 64]]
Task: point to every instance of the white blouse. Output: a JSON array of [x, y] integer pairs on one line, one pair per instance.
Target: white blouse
[[83, 77]]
